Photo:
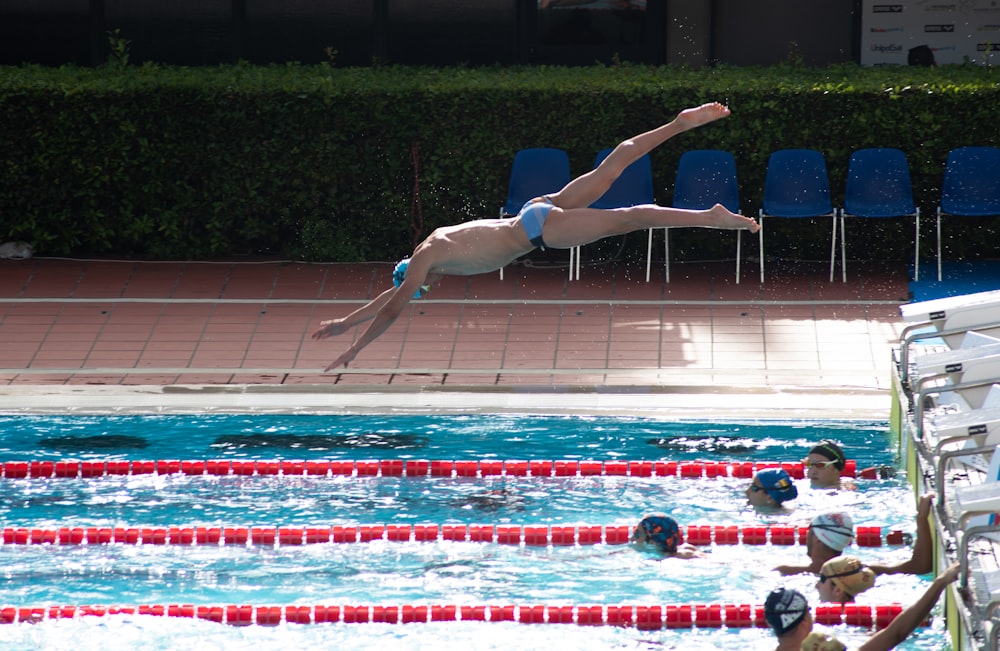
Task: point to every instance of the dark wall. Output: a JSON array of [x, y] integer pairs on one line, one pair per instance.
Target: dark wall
[[185, 32], [570, 33], [762, 33], [50, 32], [429, 32], [309, 31], [440, 32]]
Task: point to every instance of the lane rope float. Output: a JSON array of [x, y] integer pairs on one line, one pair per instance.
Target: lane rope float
[[646, 617], [71, 469], [503, 534]]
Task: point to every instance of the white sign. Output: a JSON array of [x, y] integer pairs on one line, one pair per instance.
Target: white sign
[[919, 31]]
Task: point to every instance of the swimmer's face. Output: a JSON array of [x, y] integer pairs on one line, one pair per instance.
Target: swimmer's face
[[822, 472], [827, 590], [756, 494]]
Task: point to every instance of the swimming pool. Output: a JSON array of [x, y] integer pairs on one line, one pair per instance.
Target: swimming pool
[[386, 572]]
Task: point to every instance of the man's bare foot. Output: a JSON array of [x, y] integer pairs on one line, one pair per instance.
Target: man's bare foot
[[699, 115], [721, 217]]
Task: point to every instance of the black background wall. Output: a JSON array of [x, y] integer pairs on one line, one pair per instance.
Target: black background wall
[[430, 32]]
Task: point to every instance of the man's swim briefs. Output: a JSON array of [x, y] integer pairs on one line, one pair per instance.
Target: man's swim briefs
[[533, 215]]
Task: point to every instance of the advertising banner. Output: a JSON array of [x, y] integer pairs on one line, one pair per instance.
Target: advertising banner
[[930, 32]]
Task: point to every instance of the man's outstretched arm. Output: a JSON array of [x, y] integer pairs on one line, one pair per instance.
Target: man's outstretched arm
[[384, 317], [334, 327]]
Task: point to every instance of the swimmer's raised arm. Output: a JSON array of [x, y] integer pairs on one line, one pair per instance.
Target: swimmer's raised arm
[[921, 561], [912, 616]]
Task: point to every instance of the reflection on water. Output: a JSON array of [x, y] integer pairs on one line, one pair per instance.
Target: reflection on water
[[494, 500], [709, 444], [320, 441], [92, 443]]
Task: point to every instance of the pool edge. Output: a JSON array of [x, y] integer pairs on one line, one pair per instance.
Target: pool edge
[[693, 402]]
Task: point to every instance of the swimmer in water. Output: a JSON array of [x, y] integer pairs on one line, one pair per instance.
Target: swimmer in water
[[662, 532], [770, 489]]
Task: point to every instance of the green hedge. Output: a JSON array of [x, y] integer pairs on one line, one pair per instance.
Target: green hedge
[[322, 163]]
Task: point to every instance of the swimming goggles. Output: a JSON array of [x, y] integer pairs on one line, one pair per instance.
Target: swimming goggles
[[824, 577], [817, 464]]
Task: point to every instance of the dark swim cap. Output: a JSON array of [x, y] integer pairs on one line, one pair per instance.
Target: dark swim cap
[[830, 450], [662, 531], [784, 609]]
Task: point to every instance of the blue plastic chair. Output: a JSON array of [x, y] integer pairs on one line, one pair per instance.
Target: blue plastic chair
[[705, 177], [878, 186], [971, 186], [535, 172], [796, 186], [633, 188]]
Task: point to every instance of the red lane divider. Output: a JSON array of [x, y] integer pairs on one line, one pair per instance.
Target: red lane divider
[[410, 468], [647, 617], [504, 534]]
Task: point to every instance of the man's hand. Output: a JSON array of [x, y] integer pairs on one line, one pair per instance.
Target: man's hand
[[950, 574], [343, 360], [786, 570], [330, 328]]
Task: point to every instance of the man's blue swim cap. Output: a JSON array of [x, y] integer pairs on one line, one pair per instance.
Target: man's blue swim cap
[[778, 484], [399, 275]]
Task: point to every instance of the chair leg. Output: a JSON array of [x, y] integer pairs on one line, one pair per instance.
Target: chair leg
[[572, 257], [916, 245], [739, 255], [649, 252], [939, 243], [760, 232], [833, 244], [577, 270], [666, 254], [843, 250]]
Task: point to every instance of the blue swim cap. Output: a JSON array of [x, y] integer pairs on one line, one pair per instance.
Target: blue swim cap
[[399, 275], [662, 531], [778, 484]]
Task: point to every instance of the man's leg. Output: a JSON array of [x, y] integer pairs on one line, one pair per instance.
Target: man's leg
[[576, 227], [588, 188]]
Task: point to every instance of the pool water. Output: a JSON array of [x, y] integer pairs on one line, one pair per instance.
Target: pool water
[[435, 572]]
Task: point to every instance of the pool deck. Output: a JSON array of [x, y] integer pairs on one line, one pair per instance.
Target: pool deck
[[93, 335]]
